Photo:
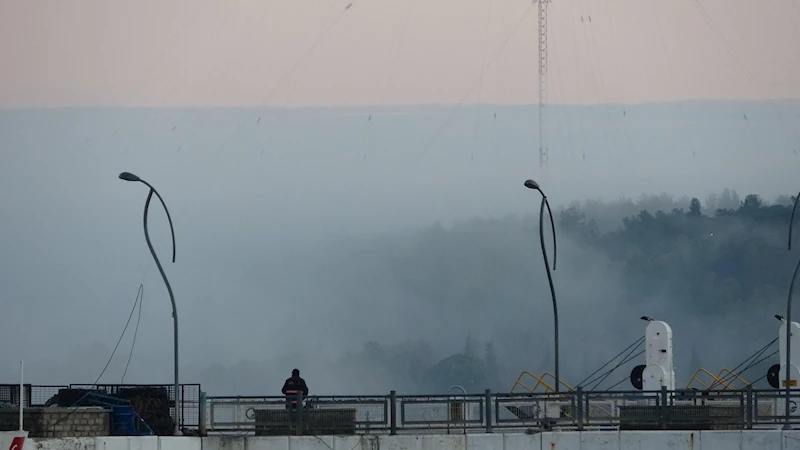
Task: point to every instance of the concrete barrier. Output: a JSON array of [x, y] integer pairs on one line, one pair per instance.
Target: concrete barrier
[[601, 440], [587, 440], [791, 440]]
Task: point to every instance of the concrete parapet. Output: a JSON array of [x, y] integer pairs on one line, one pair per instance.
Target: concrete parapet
[[558, 440]]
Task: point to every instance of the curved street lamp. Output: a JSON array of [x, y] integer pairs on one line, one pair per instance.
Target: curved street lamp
[[530, 184], [787, 425], [127, 176]]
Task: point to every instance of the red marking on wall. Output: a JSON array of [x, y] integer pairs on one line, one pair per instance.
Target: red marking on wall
[[17, 443]]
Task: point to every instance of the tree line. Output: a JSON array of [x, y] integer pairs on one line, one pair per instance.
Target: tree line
[[724, 259]]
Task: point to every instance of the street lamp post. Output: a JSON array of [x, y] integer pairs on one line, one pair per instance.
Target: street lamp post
[[530, 184], [127, 176], [787, 425]]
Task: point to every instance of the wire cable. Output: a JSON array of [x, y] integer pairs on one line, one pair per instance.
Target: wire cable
[[749, 361], [435, 135], [628, 359], [618, 383], [120, 337], [78, 402], [318, 39], [140, 299], [635, 344]]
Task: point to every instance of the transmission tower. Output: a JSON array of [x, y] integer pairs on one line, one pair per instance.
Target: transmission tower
[[543, 152]]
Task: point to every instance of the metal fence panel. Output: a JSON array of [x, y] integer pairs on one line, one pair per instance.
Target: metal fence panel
[[35, 394], [535, 410], [441, 411], [271, 415], [189, 398]]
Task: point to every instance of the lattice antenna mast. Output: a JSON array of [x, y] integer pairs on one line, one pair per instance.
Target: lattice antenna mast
[[543, 151]]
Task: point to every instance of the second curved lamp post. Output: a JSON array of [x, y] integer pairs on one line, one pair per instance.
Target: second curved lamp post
[[530, 184], [127, 176], [787, 425]]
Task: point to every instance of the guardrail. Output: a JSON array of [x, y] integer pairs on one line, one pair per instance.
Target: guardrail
[[35, 394], [579, 410], [189, 399]]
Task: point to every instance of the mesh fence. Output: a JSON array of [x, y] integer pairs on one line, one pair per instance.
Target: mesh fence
[[35, 395], [441, 411], [770, 407], [719, 409], [189, 398], [534, 410]]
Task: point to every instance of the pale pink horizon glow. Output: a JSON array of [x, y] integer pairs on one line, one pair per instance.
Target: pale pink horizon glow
[[153, 53]]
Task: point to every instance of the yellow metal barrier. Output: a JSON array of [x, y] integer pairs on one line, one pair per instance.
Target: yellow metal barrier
[[560, 382], [715, 380], [731, 376], [540, 382], [724, 380], [719, 380]]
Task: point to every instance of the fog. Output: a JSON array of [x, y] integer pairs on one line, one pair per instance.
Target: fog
[[304, 234]]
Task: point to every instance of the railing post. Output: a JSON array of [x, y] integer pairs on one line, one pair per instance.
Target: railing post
[[749, 406], [488, 400], [393, 413], [578, 399], [201, 414], [663, 409], [298, 411]]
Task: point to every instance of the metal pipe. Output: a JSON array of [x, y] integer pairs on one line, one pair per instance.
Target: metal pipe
[[21, 393], [177, 431], [530, 184], [550, 278], [791, 220], [787, 425], [131, 177], [466, 406]]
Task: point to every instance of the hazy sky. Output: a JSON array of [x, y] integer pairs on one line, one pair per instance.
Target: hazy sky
[[319, 52], [261, 198]]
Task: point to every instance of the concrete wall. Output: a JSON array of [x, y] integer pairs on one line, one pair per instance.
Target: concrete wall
[[59, 422], [593, 440]]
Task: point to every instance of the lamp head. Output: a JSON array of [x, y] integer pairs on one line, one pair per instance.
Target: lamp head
[[127, 176], [530, 184]]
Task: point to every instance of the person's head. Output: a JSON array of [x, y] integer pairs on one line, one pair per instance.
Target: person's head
[[295, 373]]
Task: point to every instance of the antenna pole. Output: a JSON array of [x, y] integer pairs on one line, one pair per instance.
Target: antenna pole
[[543, 151], [21, 392]]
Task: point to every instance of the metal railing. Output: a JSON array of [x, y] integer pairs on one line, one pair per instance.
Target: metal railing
[[189, 400], [35, 395], [578, 409], [46, 395], [274, 415], [722, 408]]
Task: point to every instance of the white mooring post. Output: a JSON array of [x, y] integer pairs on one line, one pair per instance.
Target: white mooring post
[[659, 369], [794, 369]]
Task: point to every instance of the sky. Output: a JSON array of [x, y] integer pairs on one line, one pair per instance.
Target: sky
[[274, 203], [322, 53]]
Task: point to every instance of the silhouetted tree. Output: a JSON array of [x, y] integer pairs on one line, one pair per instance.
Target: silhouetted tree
[[694, 208], [491, 365], [469, 347]]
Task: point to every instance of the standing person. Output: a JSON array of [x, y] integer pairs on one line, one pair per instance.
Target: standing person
[[292, 386]]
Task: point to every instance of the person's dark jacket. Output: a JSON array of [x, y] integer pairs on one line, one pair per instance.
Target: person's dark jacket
[[294, 384]]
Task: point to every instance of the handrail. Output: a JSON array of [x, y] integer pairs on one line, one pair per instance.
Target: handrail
[[561, 382], [545, 409], [539, 382], [716, 381], [726, 373]]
